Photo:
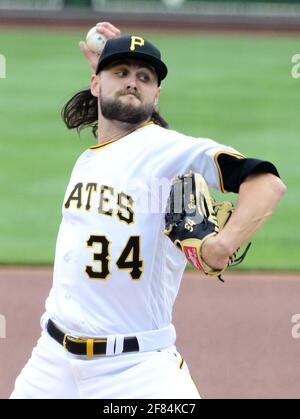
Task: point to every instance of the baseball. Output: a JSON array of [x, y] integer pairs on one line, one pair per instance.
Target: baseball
[[95, 40]]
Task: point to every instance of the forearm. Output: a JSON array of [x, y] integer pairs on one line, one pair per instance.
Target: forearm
[[258, 196]]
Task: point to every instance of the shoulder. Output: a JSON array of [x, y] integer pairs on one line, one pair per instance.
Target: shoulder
[[82, 158], [172, 137]]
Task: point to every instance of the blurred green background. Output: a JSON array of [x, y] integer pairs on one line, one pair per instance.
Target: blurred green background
[[234, 88]]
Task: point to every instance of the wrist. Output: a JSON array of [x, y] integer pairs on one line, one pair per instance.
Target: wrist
[[222, 246], [215, 253]]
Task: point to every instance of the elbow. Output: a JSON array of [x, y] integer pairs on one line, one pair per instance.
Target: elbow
[[267, 183], [278, 187]]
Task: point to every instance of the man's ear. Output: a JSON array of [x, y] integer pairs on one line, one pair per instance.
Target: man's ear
[[95, 84]]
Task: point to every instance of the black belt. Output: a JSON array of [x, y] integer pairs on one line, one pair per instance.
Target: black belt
[[87, 346]]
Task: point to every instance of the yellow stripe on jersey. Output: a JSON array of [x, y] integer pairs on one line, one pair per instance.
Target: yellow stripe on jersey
[[119, 136], [181, 363], [238, 156]]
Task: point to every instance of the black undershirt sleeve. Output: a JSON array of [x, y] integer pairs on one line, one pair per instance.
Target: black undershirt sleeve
[[233, 170]]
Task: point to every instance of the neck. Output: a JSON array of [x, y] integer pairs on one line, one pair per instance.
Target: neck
[[109, 129]]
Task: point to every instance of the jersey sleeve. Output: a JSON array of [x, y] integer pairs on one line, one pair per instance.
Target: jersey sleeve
[[206, 162], [233, 170], [223, 167], [198, 155]]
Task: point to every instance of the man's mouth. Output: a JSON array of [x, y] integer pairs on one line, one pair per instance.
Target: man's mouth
[[131, 94]]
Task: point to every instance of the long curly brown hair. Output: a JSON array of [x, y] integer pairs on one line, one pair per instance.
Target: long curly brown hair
[[81, 111]]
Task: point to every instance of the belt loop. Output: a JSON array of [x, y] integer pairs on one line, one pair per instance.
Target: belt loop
[[119, 345], [90, 347], [110, 350]]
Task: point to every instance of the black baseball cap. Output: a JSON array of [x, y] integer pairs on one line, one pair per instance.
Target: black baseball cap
[[132, 47]]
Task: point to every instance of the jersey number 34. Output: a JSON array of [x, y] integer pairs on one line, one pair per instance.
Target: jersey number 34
[[129, 258]]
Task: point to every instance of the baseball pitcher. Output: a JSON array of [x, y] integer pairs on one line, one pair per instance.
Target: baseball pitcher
[[136, 209]]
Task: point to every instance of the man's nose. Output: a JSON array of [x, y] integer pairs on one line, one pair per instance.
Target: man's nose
[[131, 82]]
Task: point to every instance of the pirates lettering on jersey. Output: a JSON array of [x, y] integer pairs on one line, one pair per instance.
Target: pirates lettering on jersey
[[103, 197]]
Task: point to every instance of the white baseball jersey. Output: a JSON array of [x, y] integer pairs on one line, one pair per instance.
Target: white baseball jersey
[[115, 271]]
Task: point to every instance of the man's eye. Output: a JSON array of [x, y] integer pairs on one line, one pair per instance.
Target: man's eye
[[144, 77], [121, 73]]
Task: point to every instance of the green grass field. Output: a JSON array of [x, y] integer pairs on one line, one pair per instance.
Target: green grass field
[[237, 90]]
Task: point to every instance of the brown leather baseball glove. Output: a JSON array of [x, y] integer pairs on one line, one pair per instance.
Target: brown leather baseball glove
[[192, 216]]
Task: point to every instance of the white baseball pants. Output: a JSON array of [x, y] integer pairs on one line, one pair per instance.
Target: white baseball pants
[[52, 373]]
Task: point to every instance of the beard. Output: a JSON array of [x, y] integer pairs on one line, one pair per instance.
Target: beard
[[115, 109]]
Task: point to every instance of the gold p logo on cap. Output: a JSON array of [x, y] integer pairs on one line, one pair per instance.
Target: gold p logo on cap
[[136, 41]]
